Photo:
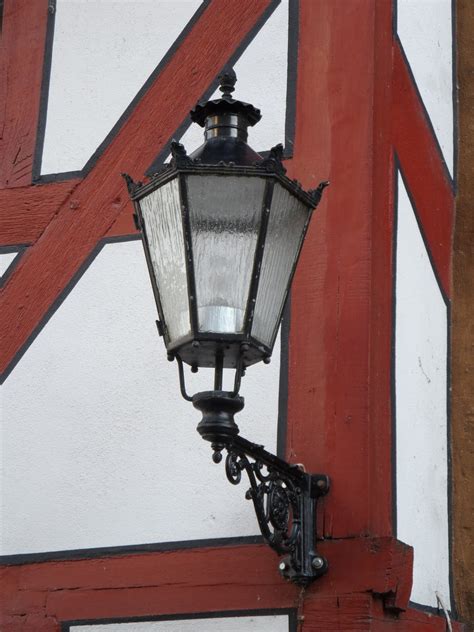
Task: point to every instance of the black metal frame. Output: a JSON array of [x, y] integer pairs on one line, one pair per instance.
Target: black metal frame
[[258, 258], [284, 495], [200, 348]]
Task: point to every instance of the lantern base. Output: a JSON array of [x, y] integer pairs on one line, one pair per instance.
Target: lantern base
[[217, 425]]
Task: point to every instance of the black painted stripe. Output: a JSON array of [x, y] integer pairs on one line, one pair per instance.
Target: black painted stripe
[[68, 626], [130, 549]]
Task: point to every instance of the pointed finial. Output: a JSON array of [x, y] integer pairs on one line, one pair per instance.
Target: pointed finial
[[131, 185], [227, 81], [317, 193]]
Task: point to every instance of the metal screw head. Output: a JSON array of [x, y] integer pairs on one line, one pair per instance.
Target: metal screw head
[[317, 563], [282, 566]]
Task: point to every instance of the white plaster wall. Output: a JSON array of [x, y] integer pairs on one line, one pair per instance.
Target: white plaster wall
[[261, 80], [103, 53], [275, 623], [425, 30], [421, 418], [98, 448], [6, 259]]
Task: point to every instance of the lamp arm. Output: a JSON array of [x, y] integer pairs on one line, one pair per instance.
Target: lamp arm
[[284, 496]]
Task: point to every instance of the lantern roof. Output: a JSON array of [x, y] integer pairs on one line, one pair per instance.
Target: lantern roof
[[226, 104]]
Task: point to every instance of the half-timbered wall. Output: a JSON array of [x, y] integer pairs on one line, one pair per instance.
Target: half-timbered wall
[[114, 518]]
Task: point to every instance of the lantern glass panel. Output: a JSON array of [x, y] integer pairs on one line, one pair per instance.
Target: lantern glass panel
[[161, 212], [225, 217], [287, 220]]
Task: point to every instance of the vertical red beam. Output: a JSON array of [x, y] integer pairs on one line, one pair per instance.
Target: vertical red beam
[[21, 67], [381, 302], [335, 369]]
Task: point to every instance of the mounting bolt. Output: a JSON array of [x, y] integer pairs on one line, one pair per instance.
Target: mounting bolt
[[321, 484], [317, 563], [282, 567], [267, 360]]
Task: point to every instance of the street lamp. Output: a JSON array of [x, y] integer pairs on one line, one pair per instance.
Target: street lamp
[[222, 231]]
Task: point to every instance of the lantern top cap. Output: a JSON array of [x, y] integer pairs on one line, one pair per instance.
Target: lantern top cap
[[226, 104]]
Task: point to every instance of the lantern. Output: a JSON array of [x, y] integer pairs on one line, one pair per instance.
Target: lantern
[[222, 231]]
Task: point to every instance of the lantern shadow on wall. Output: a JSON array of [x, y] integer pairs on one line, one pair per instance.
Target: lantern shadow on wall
[[222, 230]]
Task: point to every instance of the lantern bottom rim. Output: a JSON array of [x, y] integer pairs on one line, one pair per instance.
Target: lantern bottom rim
[[202, 351]]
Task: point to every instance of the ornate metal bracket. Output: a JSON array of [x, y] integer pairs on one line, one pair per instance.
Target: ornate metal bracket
[[284, 495]]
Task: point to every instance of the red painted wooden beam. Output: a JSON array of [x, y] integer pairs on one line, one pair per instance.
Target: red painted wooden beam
[[205, 580], [101, 196], [333, 378], [22, 73], [124, 224], [381, 314], [423, 168], [365, 574], [26, 211]]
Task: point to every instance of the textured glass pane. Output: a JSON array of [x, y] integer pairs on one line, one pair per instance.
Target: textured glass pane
[[285, 227], [161, 212], [225, 214]]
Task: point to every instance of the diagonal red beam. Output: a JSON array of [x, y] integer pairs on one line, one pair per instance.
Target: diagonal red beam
[[26, 211], [48, 267], [22, 72], [423, 169]]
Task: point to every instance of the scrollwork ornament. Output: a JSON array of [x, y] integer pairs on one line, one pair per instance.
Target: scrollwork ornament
[[258, 469], [233, 469], [283, 496], [279, 507]]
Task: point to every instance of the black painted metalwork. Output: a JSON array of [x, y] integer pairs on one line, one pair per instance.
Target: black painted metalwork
[[257, 264], [284, 495], [225, 153]]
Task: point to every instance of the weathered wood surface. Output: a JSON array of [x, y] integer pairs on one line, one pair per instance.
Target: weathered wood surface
[[21, 68], [26, 211], [329, 368], [462, 418], [364, 574]]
